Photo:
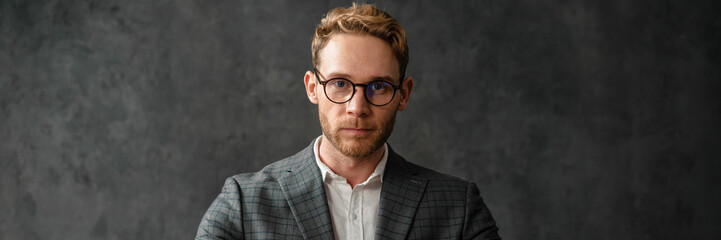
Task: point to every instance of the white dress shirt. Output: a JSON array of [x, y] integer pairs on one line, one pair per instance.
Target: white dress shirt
[[354, 211]]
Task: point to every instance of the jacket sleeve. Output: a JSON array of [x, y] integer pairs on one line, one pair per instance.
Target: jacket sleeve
[[223, 220], [479, 223]]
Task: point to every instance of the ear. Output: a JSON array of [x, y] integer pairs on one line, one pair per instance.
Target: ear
[[310, 87], [405, 93]]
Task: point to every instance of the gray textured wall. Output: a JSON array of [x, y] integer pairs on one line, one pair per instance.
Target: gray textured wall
[[578, 120]]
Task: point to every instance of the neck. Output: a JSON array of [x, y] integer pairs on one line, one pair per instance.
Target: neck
[[354, 170]]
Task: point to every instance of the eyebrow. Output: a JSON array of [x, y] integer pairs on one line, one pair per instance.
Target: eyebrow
[[375, 78]]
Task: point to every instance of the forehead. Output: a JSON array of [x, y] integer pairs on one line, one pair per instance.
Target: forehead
[[359, 56]]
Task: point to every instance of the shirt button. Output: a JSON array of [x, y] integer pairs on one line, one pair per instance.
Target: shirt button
[[354, 216]]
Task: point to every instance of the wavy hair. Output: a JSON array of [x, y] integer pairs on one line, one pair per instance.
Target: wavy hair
[[363, 19]]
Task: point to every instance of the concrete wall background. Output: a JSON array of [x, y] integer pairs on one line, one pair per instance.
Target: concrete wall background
[[578, 120]]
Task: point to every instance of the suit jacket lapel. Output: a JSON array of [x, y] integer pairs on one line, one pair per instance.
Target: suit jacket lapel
[[302, 187], [401, 193]]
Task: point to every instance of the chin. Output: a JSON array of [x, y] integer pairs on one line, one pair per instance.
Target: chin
[[359, 147]]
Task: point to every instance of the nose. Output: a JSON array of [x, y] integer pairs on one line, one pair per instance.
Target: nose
[[358, 106]]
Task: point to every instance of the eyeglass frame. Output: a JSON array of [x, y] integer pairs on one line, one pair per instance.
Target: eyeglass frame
[[395, 88]]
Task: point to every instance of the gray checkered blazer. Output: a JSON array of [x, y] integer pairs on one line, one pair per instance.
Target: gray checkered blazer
[[286, 200]]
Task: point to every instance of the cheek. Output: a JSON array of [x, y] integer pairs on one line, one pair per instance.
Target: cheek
[[324, 107], [329, 107], [389, 115], [329, 112]]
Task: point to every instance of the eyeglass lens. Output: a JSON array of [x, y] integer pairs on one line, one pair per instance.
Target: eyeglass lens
[[342, 90]]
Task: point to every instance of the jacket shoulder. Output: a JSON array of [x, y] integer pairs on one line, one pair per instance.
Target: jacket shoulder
[[271, 172], [450, 206], [434, 178]]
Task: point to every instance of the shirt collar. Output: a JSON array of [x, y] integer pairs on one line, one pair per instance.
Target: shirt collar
[[326, 172]]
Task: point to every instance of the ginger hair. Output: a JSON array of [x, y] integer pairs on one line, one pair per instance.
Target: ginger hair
[[362, 19]]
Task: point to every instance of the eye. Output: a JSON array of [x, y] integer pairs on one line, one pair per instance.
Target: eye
[[340, 84], [377, 86]]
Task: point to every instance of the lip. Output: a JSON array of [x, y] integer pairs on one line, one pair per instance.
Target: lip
[[357, 131]]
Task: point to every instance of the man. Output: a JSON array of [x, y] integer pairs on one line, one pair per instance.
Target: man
[[349, 184]]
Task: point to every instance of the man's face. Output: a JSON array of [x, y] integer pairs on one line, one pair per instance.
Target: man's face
[[357, 128]]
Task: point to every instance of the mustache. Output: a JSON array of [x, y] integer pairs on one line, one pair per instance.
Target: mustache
[[356, 124]]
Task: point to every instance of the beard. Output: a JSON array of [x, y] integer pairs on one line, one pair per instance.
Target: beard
[[357, 146]]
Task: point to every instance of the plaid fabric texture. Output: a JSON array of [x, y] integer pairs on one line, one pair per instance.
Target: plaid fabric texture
[[286, 200]]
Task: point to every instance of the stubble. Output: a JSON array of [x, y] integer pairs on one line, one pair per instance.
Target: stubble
[[355, 147]]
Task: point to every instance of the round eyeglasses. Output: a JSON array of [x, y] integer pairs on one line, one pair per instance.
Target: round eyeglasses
[[341, 90]]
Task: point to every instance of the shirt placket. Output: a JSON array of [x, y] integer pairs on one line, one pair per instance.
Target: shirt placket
[[356, 213]]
